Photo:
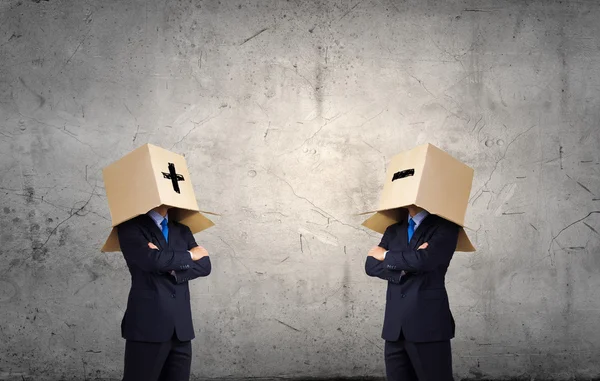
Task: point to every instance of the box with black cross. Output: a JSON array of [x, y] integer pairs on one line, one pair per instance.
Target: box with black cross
[[145, 178], [429, 178]]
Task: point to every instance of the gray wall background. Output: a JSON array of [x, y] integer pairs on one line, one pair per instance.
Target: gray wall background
[[288, 112]]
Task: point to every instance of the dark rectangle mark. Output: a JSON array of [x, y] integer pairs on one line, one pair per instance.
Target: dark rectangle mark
[[402, 174]]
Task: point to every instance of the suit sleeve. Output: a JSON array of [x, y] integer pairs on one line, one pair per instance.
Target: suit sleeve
[[200, 268], [134, 246], [441, 247], [375, 268]]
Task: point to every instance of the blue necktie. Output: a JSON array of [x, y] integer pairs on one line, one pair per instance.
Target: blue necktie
[[165, 229], [411, 228]]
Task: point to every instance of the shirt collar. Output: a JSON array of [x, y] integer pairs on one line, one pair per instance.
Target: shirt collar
[[419, 217], [157, 218]]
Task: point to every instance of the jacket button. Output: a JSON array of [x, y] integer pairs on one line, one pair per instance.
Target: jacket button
[[403, 295], [173, 295]]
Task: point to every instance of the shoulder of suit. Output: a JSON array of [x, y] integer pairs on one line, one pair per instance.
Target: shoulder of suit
[[442, 221], [179, 224], [176, 223], [393, 226]]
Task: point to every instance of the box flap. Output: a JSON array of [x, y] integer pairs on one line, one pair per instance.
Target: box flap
[[381, 220], [112, 242], [209, 213], [193, 219], [464, 243]]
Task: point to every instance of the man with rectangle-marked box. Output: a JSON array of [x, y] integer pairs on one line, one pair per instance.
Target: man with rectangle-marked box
[[421, 216], [154, 214]]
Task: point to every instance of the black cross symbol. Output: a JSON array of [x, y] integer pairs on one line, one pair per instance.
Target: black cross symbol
[[174, 177]]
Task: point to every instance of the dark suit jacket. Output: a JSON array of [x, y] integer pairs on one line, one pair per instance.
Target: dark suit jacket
[[159, 303], [417, 302]]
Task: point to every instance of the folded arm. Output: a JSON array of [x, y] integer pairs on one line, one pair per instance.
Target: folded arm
[[134, 245], [200, 268], [439, 251], [376, 268]]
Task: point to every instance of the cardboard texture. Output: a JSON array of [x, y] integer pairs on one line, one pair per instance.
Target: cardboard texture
[[429, 178], [148, 177]]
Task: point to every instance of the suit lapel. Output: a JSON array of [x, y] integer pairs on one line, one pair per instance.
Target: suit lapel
[[422, 229], [401, 235], [155, 231]]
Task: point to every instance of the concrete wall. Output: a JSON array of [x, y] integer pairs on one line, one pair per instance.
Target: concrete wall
[[287, 112]]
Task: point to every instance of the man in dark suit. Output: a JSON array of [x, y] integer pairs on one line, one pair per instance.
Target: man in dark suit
[[413, 257], [162, 257]]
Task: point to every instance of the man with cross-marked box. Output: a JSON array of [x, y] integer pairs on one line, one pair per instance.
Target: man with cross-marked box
[[421, 216], [155, 214]]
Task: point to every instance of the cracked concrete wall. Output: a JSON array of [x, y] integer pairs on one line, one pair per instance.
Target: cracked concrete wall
[[287, 112]]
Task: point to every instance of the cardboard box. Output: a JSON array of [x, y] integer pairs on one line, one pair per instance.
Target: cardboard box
[[430, 178], [144, 179]]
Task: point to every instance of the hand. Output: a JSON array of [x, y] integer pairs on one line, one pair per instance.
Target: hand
[[152, 246], [198, 252], [377, 252], [423, 246]]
